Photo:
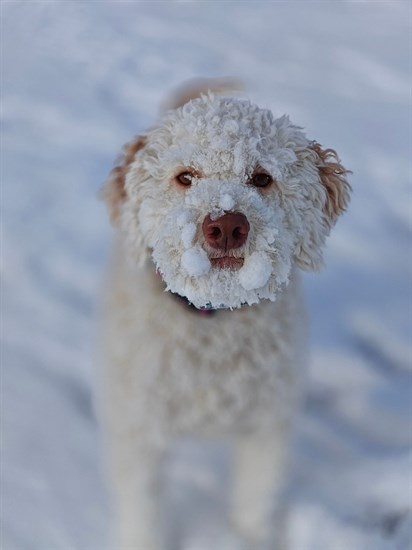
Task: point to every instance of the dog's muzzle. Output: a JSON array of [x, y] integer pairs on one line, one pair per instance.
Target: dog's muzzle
[[228, 232]]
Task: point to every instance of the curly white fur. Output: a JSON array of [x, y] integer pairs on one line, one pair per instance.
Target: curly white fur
[[170, 371], [288, 224]]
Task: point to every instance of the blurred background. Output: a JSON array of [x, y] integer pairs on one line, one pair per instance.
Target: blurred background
[[79, 80]]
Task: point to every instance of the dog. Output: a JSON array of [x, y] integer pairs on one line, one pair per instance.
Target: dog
[[217, 207]]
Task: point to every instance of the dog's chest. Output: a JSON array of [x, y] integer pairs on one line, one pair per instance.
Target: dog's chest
[[203, 374]]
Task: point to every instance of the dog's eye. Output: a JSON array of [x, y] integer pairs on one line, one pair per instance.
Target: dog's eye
[[261, 179], [185, 178]]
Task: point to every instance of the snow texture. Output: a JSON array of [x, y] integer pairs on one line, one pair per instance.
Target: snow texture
[[195, 261], [226, 203], [188, 234], [256, 271], [80, 79]]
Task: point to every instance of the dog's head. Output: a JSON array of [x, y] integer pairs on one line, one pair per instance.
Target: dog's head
[[226, 199]]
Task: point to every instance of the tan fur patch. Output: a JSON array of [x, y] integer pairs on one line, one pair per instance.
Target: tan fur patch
[[113, 191], [195, 87], [333, 177]]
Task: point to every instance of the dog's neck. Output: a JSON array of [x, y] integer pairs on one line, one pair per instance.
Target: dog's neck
[[203, 312]]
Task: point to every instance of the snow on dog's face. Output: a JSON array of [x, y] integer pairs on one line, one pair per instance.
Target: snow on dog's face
[[226, 199]]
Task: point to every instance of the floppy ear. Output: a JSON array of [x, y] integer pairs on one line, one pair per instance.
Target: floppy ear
[[113, 191], [333, 178], [330, 196]]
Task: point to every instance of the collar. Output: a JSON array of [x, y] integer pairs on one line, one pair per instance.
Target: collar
[[203, 312]]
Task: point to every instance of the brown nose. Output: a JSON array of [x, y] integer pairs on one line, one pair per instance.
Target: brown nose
[[227, 232]]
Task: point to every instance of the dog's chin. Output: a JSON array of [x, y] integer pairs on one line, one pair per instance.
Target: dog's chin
[[224, 286], [222, 281], [227, 262]]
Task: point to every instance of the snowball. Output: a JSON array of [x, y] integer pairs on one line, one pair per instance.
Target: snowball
[[182, 219], [238, 158], [226, 202], [188, 234], [270, 234], [256, 271], [195, 262]]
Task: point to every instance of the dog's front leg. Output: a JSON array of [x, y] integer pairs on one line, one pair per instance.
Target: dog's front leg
[[136, 500], [259, 462]]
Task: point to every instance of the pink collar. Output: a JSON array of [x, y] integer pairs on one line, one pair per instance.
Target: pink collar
[[203, 312]]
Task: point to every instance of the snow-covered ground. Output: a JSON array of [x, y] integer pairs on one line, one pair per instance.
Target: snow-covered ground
[[79, 79]]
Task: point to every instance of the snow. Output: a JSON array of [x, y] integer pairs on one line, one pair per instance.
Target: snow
[[188, 234], [79, 80], [195, 261], [226, 202], [256, 271]]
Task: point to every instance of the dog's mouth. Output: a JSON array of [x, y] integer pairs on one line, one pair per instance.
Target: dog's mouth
[[227, 262]]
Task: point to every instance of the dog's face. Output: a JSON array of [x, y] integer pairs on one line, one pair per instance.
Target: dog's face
[[226, 199]]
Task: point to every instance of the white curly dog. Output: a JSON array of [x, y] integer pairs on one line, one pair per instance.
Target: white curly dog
[[219, 204]]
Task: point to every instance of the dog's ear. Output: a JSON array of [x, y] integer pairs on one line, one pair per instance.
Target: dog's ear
[[333, 177], [330, 196], [114, 191]]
